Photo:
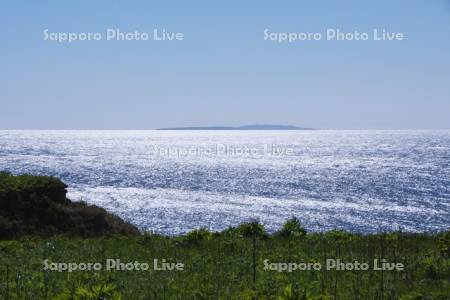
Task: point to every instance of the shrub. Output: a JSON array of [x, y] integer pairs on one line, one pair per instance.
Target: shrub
[[292, 228], [197, 235], [251, 229]]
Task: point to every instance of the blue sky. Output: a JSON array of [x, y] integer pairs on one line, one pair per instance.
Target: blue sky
[[223, 72]]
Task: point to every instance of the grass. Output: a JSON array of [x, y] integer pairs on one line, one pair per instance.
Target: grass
[[228, 265]]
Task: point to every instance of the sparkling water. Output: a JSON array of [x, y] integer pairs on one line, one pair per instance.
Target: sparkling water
[[171, 182]]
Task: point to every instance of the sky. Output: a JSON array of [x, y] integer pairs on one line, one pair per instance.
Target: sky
[[224, 72]]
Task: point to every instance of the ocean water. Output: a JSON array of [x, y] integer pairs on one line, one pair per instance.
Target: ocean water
[[171, 182]]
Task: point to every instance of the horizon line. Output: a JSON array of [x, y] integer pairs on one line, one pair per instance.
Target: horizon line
[[237, 129]]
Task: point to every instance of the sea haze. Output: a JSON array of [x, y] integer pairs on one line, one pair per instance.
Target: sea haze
[[171, 182]]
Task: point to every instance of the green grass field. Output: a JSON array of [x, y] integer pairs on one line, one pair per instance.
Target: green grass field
[[228, 265]]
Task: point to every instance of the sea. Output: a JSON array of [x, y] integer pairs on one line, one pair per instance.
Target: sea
[[171, 182]]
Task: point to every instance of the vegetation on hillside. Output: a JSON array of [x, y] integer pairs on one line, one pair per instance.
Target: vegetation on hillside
[[40, 227], [37, 205]]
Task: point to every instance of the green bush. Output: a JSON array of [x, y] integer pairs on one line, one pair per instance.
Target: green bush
[[251, 229], [292, 228], [197, 235]]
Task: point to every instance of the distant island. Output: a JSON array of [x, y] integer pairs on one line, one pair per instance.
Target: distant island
[[245, 127]]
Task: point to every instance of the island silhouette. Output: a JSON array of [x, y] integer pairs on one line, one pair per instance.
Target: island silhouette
[[244, 127]]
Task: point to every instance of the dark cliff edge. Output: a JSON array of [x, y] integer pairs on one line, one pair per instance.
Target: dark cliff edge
[[37, 205]]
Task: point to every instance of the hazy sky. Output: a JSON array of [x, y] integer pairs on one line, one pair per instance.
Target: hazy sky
[[224, 72]]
